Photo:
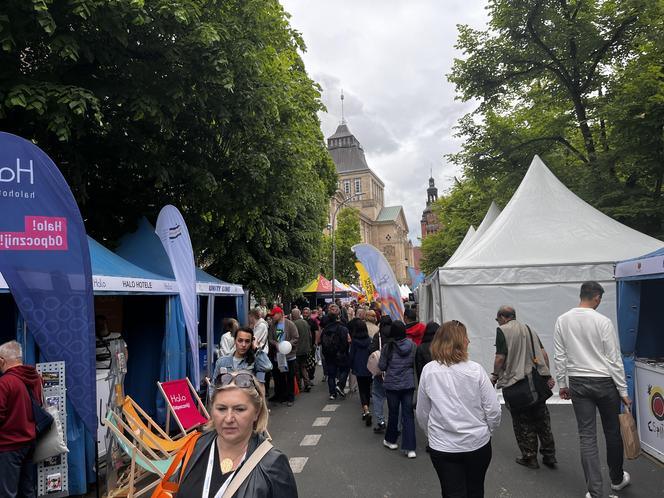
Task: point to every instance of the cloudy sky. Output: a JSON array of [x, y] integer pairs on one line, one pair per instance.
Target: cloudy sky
[[390, 57]]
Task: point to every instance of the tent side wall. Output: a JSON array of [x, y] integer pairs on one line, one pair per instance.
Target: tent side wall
[[537, 304]]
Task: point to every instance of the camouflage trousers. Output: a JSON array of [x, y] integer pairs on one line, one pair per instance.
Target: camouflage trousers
[[531, 425]]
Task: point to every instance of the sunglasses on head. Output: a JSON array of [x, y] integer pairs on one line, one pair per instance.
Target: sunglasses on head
[[458, 323], [241, 379]]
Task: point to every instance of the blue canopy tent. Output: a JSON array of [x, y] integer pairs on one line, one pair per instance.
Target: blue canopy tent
[[114, 276], [640, 318], [217, 299]]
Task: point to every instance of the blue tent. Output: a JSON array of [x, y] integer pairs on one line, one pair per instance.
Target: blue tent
[[144, 249], [640, 318]]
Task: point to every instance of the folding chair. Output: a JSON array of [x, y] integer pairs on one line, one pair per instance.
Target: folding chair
[[183, 404], [145, 464], [148, 430]]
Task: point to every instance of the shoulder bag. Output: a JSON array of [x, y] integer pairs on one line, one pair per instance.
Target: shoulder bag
[[374, 358], [530, 390]]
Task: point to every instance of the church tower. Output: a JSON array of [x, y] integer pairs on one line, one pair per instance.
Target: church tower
[[429, 222]]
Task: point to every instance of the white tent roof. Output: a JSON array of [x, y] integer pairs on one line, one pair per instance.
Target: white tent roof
[[545, 223], [464, 244]]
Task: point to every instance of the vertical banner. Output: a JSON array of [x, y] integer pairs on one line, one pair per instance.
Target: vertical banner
[[383, 278], [173, 233], [365, 281], [416, 277], [45, 259]]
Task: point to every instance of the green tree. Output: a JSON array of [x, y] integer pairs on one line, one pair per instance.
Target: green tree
[[577, 82], [346, 235], [204, 104], [560, 45]]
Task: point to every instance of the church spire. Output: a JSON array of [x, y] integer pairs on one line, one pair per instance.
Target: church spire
[[343, 118]]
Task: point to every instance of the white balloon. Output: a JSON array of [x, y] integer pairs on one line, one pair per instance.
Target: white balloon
[[285, 347]]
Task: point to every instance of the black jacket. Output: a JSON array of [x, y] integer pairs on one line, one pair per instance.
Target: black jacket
[[271, 478]]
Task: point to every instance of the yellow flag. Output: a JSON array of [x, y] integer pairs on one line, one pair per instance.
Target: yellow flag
[[366, 282]]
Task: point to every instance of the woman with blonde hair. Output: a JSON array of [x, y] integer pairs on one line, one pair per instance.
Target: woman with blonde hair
[[234, 457], [458, 408]]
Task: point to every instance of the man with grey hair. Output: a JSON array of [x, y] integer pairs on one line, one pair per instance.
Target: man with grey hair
[[17, 423], [590, 372], [515, 343]]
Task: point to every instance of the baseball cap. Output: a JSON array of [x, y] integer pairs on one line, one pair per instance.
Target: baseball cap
[[276, 310]]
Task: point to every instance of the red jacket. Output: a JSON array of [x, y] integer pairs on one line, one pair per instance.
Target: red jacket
[[17, 424], [415, 332]]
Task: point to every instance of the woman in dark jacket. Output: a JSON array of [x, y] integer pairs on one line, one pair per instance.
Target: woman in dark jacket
[[359, 355], [423, 355], [238, 423], [377, 388], [397, 360]]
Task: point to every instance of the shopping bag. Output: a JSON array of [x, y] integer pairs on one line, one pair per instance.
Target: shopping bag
[[630, 436]]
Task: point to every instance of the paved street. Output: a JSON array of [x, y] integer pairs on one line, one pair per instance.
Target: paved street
[[343, 458]]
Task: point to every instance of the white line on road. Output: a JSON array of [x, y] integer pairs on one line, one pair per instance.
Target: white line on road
[[330, 408], [310, 440], [321, 422], [297, 464]]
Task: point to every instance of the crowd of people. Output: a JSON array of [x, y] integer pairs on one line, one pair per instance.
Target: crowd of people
[[424, 374], [421, 371]]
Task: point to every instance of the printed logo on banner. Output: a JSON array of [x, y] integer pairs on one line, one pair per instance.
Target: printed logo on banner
[[42, 233], [174, 232], [656, 402], [18, 179]]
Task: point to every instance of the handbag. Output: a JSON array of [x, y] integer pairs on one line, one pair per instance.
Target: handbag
[[541, 385], [374, 358], [630, 437], [530, 390], [52, 442]]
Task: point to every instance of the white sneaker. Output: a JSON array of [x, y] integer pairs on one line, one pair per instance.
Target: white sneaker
[[625, 482], [610, 496], [391, 446], [411, 454]]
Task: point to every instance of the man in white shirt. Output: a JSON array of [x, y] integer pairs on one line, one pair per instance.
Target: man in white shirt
[[590, 372]]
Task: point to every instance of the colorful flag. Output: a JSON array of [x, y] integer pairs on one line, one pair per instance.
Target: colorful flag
[[383, 278], [365, 281]]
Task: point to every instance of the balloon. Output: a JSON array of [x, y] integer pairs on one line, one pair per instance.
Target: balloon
[[285, 347]]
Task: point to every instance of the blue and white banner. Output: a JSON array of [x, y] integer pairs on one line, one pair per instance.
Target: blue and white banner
[[416, 277], [173, 233], [45, 260], [383, 279]]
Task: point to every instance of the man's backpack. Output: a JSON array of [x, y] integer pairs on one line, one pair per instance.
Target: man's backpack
[[330, 341]]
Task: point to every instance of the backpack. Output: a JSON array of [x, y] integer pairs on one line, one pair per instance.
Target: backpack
[[330, 341]]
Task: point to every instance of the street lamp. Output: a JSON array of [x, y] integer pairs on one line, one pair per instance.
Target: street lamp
[[334, 245]]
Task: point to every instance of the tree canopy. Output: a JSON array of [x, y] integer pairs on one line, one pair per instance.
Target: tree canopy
[[204, 104], [578, 82]]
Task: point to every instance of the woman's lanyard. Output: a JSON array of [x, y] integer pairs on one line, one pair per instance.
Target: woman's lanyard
[[208, 474]]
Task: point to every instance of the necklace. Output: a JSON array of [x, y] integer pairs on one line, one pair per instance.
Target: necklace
[[227, 464]]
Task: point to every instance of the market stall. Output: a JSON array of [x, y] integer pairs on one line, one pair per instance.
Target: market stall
[[319, 291], [640, 317]]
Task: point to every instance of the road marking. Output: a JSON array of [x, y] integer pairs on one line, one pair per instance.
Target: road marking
[[297, 464], [310, 440], [330, 408], [321, 422]]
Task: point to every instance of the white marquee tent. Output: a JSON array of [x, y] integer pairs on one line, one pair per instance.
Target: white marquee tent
[[534, 257]]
